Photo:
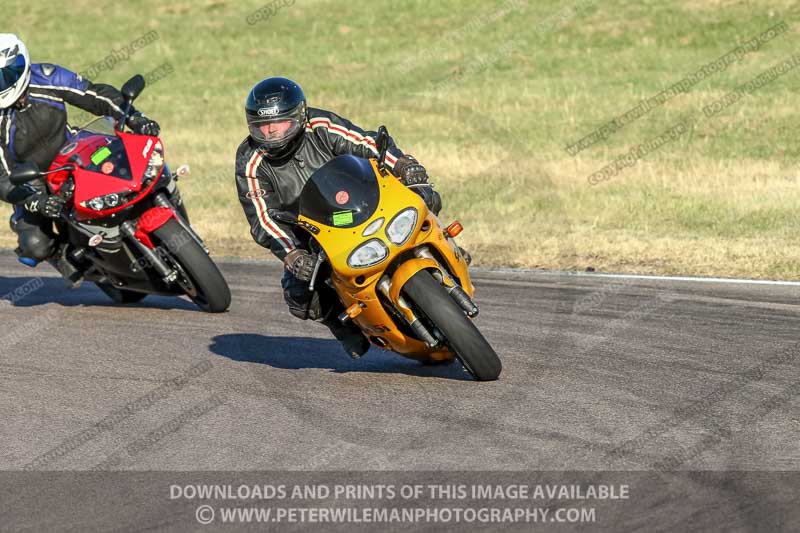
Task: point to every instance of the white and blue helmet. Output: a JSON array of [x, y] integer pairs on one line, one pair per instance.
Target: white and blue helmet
[[15, 69]]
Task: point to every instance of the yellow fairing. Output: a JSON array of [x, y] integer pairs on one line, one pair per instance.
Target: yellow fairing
[[359, 285]]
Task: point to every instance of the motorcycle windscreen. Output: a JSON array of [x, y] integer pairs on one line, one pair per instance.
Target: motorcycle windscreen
[[110, 159], [102, 125], [344, 192]]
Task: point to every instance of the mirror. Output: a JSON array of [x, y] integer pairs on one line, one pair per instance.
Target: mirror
[[133, 88], [382, 141], [24, 172]]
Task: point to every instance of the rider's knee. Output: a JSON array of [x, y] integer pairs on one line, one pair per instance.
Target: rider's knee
[[303, 303], [35, 244]]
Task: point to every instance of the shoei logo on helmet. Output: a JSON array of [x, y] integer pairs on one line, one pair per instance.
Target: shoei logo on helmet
[[268, 111]]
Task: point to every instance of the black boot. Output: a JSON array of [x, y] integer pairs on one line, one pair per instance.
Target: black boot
[[72, 276], [466, 254], [353, 341]]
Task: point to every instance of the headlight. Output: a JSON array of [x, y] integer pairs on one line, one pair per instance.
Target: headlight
[[109, 201], [95, 203], [400, 227], [155, 164], [370, 253], [374, 226]]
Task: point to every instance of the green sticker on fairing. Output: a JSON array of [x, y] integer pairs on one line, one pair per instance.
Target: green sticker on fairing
[[342, 218], [100, 155]]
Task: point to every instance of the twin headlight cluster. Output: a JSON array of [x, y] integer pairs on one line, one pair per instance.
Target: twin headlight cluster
[[110, 201], [374, 251]]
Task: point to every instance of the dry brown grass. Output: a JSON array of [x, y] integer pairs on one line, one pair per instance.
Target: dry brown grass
[[543, 214], [718, 201]]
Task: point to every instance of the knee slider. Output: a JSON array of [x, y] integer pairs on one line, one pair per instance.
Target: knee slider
[[36, 245]]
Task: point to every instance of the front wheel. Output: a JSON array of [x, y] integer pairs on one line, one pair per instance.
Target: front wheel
[[197, 273], [431, 298]]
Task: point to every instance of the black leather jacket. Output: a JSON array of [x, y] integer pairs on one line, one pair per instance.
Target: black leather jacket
[[264, 184]]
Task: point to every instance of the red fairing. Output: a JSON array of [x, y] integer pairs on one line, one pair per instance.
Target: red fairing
[[92, 180], [144, 238], [139, 148], [151, 220]]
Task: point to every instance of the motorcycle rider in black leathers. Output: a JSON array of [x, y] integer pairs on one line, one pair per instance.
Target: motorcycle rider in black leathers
[[33, 128], [288, 141]]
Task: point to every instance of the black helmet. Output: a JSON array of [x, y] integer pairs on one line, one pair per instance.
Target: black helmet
[[276, 101]]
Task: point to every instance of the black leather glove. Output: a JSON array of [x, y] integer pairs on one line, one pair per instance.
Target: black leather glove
[[301, 264], [410, 171], [142, 125], [45, 204]]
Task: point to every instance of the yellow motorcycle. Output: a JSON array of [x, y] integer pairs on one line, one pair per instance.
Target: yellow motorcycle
[[397, 270]]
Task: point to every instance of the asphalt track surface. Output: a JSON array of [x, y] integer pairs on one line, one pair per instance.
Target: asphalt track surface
[[598, 374]]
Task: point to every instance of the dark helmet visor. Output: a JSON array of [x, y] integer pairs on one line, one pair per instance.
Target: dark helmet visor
[[10, 74], [273, 129]]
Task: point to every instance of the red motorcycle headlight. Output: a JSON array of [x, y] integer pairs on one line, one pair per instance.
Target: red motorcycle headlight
[[155, 164], [108, 201]]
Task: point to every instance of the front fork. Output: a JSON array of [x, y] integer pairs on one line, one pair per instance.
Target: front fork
[[453, 289], [167, 274], [440, 273], [152, 258], [161, 200], [402, 307]]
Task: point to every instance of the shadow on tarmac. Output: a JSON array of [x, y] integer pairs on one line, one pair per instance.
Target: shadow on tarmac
[[297, 353]]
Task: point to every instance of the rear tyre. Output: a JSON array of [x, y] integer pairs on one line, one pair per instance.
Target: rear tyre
[[198, 275], [121, 296], [431, 298]]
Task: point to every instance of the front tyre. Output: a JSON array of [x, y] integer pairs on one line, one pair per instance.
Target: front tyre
[[197, 273], [431, 298]]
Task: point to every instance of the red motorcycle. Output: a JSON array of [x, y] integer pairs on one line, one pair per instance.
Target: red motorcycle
[[119, 228]]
